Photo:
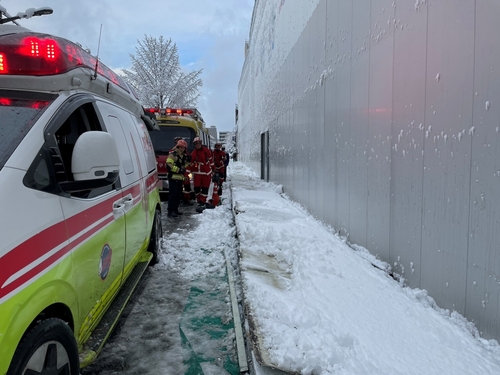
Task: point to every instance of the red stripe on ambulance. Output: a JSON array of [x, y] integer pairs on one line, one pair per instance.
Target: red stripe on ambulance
[[41, 244]]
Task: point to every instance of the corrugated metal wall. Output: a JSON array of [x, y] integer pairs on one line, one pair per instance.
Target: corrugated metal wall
[[383, 120]]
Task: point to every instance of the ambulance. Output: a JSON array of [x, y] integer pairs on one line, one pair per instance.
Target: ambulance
[[185, 123], [80, 212]]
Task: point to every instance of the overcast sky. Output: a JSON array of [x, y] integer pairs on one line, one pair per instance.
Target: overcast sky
[[210, 35]]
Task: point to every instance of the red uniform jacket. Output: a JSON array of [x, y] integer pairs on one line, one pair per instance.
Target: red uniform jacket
[[201, 161], [219, 161]]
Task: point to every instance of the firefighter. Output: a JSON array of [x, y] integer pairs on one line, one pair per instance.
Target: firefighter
[[202, 168], [176, 165], [220, 166], [186, 193]]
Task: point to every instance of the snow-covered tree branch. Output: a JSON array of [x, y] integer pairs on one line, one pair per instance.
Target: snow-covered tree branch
[[157, 76]]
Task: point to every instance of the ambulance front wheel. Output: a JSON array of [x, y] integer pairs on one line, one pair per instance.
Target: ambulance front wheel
[[48, 348]]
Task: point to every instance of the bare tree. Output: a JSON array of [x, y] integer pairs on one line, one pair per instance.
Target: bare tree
[[157, 76]]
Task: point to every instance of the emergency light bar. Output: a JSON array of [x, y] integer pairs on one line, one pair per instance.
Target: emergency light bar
[[36, 54], [179, 111], [170, 111]]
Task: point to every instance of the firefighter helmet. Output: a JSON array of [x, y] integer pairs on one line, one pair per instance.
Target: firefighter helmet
[[197, 140], [182, 143]]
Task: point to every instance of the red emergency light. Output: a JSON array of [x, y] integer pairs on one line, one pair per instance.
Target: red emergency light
[[5, 101], [179, 111], [3, 63], [36, 54], [170, 111], [27, 103], [36, 47]]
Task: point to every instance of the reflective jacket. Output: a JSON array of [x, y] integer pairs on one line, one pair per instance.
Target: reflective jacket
[[175, 161]]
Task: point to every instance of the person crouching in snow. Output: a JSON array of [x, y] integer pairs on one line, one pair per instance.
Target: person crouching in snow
[[202, 168], [176, 165]]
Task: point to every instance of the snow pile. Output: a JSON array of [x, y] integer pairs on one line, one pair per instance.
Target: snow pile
[[321, 307]]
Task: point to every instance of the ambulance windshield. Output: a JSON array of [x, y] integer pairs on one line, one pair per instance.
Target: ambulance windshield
[[18, 111]]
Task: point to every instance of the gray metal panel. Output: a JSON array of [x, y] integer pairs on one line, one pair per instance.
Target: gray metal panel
[[407, 142], [343, 139], [317, 186], [483, 270], [442, 88], [447, 150], [343, 119], [315, 38], [379, 127], [279, 138], [288, 153], [321, 97], [330, 125], [302, 162], [360, 88]]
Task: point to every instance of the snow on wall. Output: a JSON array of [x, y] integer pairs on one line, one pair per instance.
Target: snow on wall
[[383, 120]]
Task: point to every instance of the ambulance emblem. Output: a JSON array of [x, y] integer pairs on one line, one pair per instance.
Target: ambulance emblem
[[105, 261]]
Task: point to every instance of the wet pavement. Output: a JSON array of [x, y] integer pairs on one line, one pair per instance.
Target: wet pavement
[[181, 326], [179, 323]]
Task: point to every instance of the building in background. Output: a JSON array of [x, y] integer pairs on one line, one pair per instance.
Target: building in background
[[225, 137], [212, 131]]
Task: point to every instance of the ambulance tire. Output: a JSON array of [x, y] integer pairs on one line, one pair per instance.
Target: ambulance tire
[[53, 342], [156, 237]]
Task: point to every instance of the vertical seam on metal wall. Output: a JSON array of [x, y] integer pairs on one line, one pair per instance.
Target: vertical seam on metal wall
[[351, 59], [324, 188], [470, 164], [391, 186], [367, 210], [348, 220], [423, 144]]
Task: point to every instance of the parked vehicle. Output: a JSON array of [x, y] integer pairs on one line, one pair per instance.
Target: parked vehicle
[[185, 123], [80, 216]]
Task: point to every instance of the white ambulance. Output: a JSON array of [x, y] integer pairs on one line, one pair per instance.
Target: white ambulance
[[80, 214]]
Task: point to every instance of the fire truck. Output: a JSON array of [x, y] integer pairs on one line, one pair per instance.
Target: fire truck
[[185, 123]]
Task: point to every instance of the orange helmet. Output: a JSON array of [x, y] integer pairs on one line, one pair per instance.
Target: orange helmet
[[197, 139], [182, 143]]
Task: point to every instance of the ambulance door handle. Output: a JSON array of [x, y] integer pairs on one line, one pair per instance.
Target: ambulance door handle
[[128, 200], [118, 209]]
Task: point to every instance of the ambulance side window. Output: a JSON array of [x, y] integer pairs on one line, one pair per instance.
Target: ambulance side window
[[53, 164]]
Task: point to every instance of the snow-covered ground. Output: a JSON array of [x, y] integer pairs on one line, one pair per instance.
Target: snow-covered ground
[[318, 305], [323, 307]]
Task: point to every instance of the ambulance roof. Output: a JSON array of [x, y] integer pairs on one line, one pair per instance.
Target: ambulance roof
[[41, 62]]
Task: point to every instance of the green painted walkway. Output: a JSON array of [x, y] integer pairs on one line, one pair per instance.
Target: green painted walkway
[[207, 330]]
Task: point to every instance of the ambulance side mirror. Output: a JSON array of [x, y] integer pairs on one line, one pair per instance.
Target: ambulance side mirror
[[95, 162]]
